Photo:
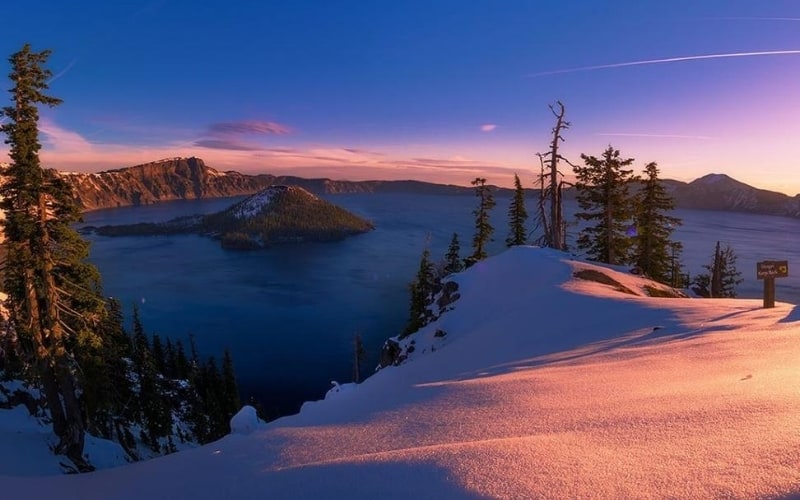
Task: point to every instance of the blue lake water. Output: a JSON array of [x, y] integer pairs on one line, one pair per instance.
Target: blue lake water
[[289, 314]]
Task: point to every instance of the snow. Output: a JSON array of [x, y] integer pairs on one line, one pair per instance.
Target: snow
[[254, 204], [545, 386], [245, 421]]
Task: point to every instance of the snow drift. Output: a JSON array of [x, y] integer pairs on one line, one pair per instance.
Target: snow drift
[[545, 386]]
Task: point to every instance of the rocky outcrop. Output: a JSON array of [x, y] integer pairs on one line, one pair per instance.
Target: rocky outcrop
[[165, 180]]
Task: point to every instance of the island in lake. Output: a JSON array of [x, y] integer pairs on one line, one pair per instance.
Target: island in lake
[[275, 215]]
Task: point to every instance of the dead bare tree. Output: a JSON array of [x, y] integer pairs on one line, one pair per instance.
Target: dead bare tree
[[551, 182]]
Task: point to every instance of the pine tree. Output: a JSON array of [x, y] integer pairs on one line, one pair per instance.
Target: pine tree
[[421, 294], [483, 228], [652, 245], [722, 276], [53, 298], [676, 278], [159, 357], [517, 215], [232, 402], [603, 196], [452, 261], [359, 357]]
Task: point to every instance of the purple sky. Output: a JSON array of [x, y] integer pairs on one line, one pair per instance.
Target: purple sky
[[443, 91]]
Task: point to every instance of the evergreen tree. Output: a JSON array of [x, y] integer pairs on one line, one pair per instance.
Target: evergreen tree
[[181, 362], [170, 360], [730, 276], [483, 228], [53, 298], [359, 357], [105, 375], [159, 357], [676, 278], [652, 246], [452, 261], [517, 215], [232, 403], [603, 196], [422, 289], [722, 276]]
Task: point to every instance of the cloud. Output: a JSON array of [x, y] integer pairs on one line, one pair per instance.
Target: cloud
[[68, 150], [656, 136], [667, 60], [61, 139], [229, 144], [488, 127], [248, 127]]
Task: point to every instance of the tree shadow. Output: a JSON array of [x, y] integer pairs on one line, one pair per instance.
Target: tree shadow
[[794, 315]]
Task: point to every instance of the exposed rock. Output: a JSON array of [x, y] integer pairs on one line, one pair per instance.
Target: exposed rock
[[391, 354], [449, 294], [165, 180]]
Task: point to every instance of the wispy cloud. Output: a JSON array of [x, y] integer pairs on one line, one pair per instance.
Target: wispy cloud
[[229, 144], [229, 135], [667, 60], [248, 127], [488, 127], [655, 136], [62, 139]]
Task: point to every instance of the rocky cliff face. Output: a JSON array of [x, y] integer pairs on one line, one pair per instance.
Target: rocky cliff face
[[165, 180], [190, 178]]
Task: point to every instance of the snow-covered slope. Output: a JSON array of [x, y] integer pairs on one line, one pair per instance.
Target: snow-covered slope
[[545, 386]]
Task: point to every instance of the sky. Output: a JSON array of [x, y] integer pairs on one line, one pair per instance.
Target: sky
[[442, 91]]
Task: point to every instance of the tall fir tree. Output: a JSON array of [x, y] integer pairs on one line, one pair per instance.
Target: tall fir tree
[[359, 357], [483, 228], [232, 402], [452, 260], [652, 251], [517, 216], [603, 193], [53, 294], [421, 289]]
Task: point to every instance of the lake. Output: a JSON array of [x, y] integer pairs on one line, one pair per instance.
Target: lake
[[289, 314]]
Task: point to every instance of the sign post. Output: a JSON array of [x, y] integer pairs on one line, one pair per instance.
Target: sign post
[[768, 270]]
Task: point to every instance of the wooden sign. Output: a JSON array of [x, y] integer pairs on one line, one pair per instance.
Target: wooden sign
[[768, 270], [772, 269]]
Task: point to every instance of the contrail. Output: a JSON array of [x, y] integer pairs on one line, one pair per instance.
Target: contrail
[[664, 136], [795, 19], [62, 72], [667, 60]]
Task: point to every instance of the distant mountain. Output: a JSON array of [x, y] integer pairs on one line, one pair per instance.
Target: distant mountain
[[274, 215], [720, 192], [723, 193], [191, 178]]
